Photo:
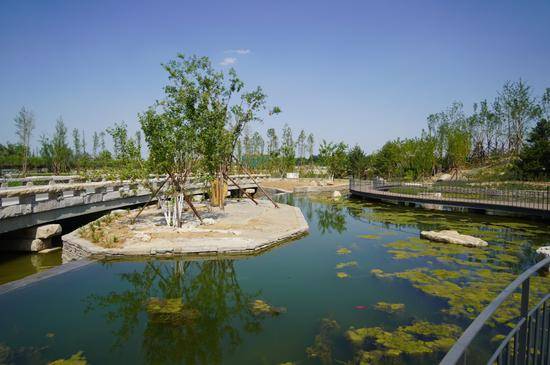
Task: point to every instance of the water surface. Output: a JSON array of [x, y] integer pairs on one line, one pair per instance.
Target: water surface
[[332, 283]]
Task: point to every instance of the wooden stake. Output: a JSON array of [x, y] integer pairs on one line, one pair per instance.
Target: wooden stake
[[241, 189], [150, 199], [259, 186], [190, 203]]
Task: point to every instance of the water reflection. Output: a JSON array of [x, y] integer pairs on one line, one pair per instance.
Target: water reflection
[[192, 310]]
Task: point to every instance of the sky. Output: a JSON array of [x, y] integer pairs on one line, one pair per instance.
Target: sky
[[359, 71]]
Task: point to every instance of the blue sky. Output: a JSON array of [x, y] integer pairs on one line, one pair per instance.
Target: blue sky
[[359, 71]]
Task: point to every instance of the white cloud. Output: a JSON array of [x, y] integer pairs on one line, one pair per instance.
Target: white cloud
[[238, 51], [228, 61]]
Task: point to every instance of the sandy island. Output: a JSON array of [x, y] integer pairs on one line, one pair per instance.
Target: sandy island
[[243, 228]]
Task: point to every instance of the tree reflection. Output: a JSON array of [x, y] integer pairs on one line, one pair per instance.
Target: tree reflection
[[205, 293], [330, 217]]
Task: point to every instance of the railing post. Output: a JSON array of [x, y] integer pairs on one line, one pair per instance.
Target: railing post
[[522, 350]]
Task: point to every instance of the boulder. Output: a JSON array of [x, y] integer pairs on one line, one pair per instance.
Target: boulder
[[543, 251], [48, 231], [336, 194], [448, 236]]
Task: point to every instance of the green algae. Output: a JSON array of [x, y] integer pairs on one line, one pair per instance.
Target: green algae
[[369, 236], [261, 308], [467, 299], [342, 275], [323, 342], [343, 251], [76, 359], [343, 265], [170, 311], [375, 345], [390, 307]]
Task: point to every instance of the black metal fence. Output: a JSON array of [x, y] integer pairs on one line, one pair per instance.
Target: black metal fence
[[532, 199], [527, 343]]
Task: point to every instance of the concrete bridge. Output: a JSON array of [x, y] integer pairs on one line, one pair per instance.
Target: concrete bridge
[[528, 203], [62, 198]]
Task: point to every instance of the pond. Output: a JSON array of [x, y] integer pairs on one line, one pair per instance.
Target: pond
[[360, 288]]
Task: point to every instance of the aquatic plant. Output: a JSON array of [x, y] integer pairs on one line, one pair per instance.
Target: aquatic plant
[[76, 359], [170, 311], [342, 275], [343, 251], [260, 308], [375, 345], [322, 345], [369, 236], [389, 307], [342, 265]]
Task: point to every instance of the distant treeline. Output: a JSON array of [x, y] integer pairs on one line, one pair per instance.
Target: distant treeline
[[514, 127]]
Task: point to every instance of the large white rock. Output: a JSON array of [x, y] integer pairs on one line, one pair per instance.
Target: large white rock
[[544, 251], [336, 194], [448, 236]]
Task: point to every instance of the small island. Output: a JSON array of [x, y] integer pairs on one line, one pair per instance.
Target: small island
[[241, 228]]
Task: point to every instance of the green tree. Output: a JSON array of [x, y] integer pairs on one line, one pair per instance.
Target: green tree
[[288, 150], [301, 145], [127, 151], [310, 145], [24, 124], [56, 151], [95, 145], [195, 128], [517, 108], [534, 159], [357, 162], [334, 157]]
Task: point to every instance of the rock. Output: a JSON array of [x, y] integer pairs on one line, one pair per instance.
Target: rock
[[119, 212], [208, 221], [445, 177], [448, 236], [39, 245], [336, 194], [198, 198], [544, 251], [47, 231], [143, 237]]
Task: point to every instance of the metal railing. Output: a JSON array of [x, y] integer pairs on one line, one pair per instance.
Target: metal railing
[[447, 192], [527, 343]]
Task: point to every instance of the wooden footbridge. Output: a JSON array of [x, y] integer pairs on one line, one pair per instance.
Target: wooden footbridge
[[531, 203], [63, 197]]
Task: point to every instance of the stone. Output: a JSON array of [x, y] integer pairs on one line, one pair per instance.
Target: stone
[[449, 236], [119, 212], [445, 177], [143, 237], [39, 245], [336, 194], [48, 231], [208, 221], [544, 251]]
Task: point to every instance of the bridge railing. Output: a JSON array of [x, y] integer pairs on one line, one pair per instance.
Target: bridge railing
[[527, 343], [533, 199], [44, 197]]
